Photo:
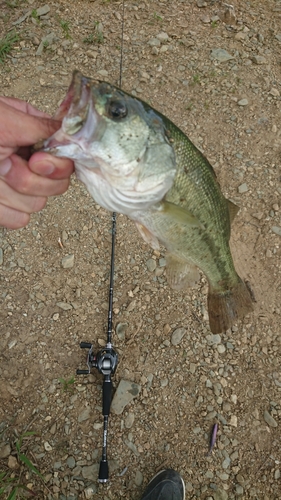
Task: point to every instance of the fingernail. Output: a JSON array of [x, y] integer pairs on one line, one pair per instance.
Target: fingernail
[[43, 167], [5, 166]]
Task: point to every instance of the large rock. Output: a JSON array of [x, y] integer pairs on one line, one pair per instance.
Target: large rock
[[126, 392]]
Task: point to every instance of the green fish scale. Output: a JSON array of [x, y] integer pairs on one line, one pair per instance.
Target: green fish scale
[[196, 189]]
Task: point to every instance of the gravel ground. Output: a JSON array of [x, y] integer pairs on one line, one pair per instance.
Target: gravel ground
[[215, 72]]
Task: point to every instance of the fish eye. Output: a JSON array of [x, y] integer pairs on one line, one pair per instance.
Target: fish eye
[[117, 109]]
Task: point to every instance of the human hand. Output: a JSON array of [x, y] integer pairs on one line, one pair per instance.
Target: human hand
[[26, 184]]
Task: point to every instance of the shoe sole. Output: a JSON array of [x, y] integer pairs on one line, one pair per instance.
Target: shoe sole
[[183, 485]]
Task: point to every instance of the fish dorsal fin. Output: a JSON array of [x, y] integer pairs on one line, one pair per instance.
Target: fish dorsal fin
[[233, 210]]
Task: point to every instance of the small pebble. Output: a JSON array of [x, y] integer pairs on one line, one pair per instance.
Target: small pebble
[[90, 492], [154, 42], [243, 102], [177, 335], [221, 348], [163, 37], [97, 426], [151, 265], [47, 446], [205, 19], [12, 343], [90, 472], [129, 420], [64, 306], [5, 450], [68, 261], [71, 462], [220, 494], [103, 72], [226, 463], [240, 36], [188, 487], [192, 368], [269, 419], [221, 55], [41, 11], [243, 188], [233, 421], [121, 330], [214, 339], [259, 59], [64, 236], [138, 478], [239, 489], [274, 92], [85, 414], [276, 230], [233, 398], [12, 462], [223, 476], [234, 455]]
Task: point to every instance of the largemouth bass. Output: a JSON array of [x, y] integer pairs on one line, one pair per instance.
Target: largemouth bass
[[135, 161]]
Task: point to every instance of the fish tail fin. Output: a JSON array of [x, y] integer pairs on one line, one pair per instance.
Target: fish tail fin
[[225, 308]]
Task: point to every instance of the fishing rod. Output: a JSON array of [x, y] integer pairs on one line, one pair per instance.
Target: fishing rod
[[106, 362]]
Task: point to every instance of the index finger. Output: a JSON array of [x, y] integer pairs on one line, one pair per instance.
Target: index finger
[[23, 129], [24, 106]]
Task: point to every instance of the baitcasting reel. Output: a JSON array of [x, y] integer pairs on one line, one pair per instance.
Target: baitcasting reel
[[105, 360]]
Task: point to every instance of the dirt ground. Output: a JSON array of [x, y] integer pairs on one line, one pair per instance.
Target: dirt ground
[[231, 110]]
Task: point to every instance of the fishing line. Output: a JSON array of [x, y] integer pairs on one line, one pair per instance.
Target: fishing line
[[106, 360], [122, 43]]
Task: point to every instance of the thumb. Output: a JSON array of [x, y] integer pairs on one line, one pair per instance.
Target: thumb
[[22, 129]]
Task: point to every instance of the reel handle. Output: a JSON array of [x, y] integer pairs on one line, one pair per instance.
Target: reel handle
[[85, 345], [82, 372]]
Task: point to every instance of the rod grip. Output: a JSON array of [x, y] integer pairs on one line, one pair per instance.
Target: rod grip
[[82, 372], [103, 472], [106, 397]]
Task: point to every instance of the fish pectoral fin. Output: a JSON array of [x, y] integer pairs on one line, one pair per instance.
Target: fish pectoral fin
[[148, 236], [179, 214], [180, 273], [233, 210]]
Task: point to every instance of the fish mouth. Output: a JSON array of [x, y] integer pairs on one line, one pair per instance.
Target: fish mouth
[[74, 113], [76, 100]]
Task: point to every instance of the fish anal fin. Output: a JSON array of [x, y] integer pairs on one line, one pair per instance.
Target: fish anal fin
[[148, 236], [180, 273], [225, 308]]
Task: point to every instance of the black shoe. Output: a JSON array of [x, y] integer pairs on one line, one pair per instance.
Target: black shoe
[[166, 485]]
